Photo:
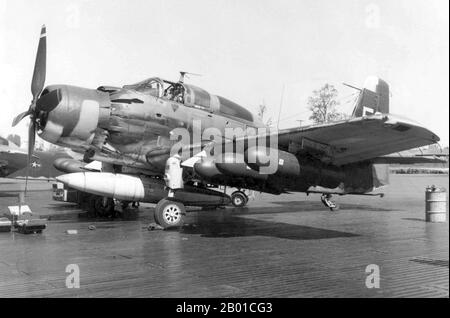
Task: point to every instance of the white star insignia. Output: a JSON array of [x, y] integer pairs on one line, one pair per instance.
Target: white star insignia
[[35, 164]]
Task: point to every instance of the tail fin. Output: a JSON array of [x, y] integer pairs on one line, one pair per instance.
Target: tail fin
[[374, 98]]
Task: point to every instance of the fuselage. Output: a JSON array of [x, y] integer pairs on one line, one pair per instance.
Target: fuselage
[[141, 124]]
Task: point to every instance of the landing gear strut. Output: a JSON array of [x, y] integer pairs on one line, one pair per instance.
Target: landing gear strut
[[239, 199], [326, 200], [169, 214]]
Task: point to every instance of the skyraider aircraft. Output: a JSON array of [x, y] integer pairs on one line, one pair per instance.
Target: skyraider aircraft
[[43, 165], [132, 126]]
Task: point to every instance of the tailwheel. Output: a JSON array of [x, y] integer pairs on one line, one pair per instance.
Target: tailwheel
[[326, 200], [169, 214], [239, 199]]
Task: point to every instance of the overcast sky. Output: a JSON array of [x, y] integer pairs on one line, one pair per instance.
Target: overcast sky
[[246, 50]]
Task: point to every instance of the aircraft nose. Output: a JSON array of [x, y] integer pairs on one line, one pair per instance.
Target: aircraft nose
[[70, 115], [49, 100]]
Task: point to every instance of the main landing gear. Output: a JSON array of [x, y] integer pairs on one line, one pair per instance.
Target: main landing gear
[[169, 214], [239, 199], [98, 206], [326, 200]]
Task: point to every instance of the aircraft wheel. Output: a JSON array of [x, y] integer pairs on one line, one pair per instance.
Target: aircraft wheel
[[124, 204], [239, 199], [104, 206], [169, 214], [335, 208], [326, 200], [83, 200], [91, 208]]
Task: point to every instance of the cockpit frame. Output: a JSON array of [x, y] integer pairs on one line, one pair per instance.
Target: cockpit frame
[[191, 96]]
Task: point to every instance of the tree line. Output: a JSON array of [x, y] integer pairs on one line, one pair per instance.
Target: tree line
[[322, 103]]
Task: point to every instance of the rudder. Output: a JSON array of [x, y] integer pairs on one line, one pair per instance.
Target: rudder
[[373, 98]]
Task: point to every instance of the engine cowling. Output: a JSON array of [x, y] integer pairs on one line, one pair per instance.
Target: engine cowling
[[76, 117]]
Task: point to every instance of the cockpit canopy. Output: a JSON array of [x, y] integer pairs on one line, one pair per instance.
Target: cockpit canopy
[[191, 96], [152, 86]]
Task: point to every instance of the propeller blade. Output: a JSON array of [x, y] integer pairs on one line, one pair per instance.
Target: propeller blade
[[31, 139], [49, 101], [20, 117], [37, 84]]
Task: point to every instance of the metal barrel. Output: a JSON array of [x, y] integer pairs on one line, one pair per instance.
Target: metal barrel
[[435, 204]]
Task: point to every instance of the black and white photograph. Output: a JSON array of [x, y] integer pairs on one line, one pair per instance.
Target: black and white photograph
[[224, 154]]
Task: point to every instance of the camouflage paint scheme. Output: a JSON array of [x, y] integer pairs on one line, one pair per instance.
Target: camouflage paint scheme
[[131, 126]]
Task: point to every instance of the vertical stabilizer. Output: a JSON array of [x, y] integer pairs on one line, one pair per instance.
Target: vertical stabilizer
[[374, 98]]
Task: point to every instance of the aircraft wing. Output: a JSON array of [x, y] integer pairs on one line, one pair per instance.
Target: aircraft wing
[[356, 139]]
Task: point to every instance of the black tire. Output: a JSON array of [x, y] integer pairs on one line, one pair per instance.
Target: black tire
[[83, 200], [169, 214], [335, 208], [124, 204], [104, 209], [91, 209], [238, 199]]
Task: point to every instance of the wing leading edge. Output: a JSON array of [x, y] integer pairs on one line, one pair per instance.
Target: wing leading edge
[[356, 139]]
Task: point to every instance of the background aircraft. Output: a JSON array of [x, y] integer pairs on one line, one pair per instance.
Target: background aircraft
[[43, 165], [132, 127]]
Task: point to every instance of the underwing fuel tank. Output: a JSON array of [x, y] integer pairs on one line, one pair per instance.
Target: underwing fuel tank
[[257, 163], [284, 163], [230, 164], [139, 188], [68, 165], [234, 164]]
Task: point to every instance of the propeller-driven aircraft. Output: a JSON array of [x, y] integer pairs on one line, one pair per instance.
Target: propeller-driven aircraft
[[43, 165], [171, 138]]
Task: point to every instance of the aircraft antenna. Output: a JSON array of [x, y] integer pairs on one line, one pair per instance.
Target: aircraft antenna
[[184, 75], [351, 86], [281, 106]]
